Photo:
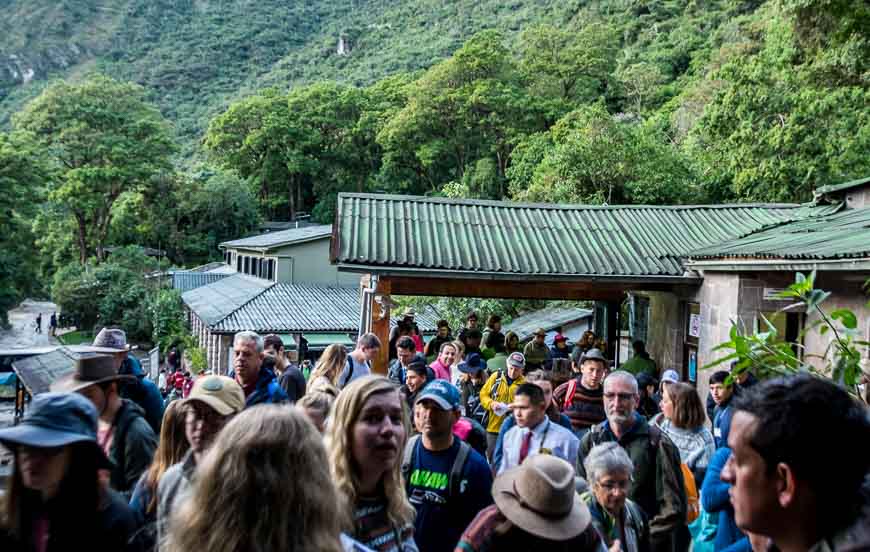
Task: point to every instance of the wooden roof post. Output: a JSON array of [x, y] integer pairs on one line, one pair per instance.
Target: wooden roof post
[[380, 325]]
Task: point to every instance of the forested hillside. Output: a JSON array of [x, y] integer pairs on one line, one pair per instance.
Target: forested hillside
[[178, 124]]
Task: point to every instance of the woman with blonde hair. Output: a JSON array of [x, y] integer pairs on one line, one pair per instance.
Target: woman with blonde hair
[[263, 485], [171, 448], [366, 437], [324, 377]]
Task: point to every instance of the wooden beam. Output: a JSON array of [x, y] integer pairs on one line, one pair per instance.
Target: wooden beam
[[380, 325], [448, 287]]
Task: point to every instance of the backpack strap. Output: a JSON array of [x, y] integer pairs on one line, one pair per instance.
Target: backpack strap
[[349, 363], [408, 458], [493, 391], [455, 481], [119, 439], [655, 437], [569, 393]]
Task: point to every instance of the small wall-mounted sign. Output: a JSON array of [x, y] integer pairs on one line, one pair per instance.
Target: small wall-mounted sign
[[695, 325]]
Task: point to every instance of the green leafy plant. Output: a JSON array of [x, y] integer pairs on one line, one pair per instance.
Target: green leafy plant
[[767, 353]]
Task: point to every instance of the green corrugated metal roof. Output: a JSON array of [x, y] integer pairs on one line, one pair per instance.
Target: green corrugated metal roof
[[841, 235], [325, 340], [841, 187], [539, 240]]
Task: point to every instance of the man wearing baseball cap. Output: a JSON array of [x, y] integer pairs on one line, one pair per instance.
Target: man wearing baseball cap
[[212, 402], [498, 393], [446, 480]]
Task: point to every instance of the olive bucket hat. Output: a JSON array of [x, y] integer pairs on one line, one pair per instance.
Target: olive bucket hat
[[56, 420], [92, 370]]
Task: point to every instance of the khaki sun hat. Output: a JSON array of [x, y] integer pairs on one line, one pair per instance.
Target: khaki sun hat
[[221, 393], [539, 497]]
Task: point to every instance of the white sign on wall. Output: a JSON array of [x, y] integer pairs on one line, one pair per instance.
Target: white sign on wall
[[695, 325]]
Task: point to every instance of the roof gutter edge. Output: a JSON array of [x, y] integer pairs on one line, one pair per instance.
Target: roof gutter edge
[[790, 265], [481, 275]]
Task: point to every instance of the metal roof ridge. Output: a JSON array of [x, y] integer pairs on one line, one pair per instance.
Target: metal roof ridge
[[561, 206], [243, 305], [317, 231], [832, 188]]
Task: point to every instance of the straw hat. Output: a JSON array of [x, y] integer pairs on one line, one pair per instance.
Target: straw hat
[[539, 497]]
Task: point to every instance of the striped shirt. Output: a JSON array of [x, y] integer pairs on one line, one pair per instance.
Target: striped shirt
[[586, 408], [374, 529]]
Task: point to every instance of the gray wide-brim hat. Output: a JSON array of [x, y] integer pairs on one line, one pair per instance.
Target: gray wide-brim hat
[[112, 338], [56, 420], [539, 497]]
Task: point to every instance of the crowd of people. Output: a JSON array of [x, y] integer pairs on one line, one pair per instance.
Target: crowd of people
[[468, 444]]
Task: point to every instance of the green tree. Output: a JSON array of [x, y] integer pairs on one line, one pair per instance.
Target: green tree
[[188, 215], [344, 140], [466, 108], [640, 82], [259, 138], [22, 171], [112, 292], [773, 131], [599, 159], [567, 65], [103, 139]]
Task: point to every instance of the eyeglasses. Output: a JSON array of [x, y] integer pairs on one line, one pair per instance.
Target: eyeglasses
[[624, 397]]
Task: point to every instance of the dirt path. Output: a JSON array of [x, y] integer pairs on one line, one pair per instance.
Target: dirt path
[[22, 319]]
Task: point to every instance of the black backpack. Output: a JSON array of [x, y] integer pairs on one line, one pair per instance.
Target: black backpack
[[475, 409]]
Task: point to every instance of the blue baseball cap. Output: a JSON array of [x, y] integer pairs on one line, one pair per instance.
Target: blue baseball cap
[[55, 420], [473, 363], [442, 393]]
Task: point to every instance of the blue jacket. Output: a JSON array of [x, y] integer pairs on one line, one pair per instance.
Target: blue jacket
[[714, 498], [509, 422], [143, 392], [722, 424], [267, 391]]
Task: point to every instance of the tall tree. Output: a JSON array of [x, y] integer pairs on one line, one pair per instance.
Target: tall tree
[[260, 139], [22, 172], [103, 139], [466, 108], [566, 66], [596, 158]]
